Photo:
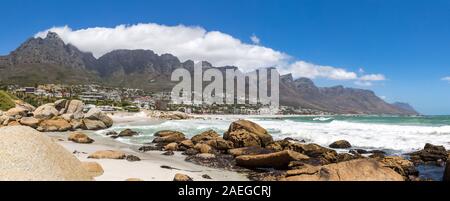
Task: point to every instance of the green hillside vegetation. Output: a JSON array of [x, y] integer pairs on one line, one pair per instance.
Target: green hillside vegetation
[[6, 101]]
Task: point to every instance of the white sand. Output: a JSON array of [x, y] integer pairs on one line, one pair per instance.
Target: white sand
[[148, 169]]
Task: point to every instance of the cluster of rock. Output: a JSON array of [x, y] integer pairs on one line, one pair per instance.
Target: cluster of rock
[[62, 115], [246, 146], [168, 115]]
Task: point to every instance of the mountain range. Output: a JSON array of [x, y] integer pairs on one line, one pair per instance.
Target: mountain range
[[50, 60]]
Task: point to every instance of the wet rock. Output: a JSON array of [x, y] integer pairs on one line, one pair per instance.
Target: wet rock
[[275, 160], [171, 147], [221, 161], [220, 144], [205, 176], [190, 152], [132, 158], [80, 137], [402, 166], [149, 148], [168, 137], [203, 148], [168, 153], [354, 170], [253, 150], [447, 172], [315, 151], [430, 154], [346, 157], [127, 133], [205, 136], [185, 145], [358, 151], [111, 133], [182, 177], [341, 144], [244, 133]]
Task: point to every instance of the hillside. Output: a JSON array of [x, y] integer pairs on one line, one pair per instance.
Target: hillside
[[6, 101]]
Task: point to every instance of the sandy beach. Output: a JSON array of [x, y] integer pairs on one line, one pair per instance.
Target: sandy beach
[[148, 169]]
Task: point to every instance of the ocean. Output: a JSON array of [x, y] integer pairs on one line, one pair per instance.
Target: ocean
[[396, 135]]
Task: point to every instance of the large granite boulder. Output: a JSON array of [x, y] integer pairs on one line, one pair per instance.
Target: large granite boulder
[[168, 136], [46, 111], [253, 150], [27, 155], [276, 160], [80, 137], [98, 115], [402, 166], [354, 170], [89, 124], [107, 154], [29, 121], [244, 133], [220, 144], [54, 125], [315, 151], [17, 111], [340, 144], [205, 136]]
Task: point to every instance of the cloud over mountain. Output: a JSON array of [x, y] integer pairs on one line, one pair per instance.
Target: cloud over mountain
[[196, 43]]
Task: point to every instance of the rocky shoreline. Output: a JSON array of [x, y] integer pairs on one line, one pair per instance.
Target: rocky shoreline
[[248, 148]]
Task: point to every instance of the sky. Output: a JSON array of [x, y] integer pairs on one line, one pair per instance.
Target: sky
[[397, 48]]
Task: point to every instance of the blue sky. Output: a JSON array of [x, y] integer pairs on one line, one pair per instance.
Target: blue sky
[[408, 42]]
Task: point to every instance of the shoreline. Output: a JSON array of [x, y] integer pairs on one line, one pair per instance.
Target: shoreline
[[148, 169]]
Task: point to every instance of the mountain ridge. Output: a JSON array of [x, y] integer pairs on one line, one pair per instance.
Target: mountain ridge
[[50, 60]]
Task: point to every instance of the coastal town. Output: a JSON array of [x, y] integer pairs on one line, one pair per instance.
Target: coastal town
[[109, 99]]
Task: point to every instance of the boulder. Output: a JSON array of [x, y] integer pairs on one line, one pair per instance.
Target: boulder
[[430, 153], [133, 179], [77, 123], [27, 154], [94, 168], [98, 115], [61, 105], [46, 111], [220, 144], [254, 150], [315, 151], [447, 172], [402, 166], [185, 145], [276, 160], [354, 170], [341, 144], [171, 147], [107, 154], [16, 111], [132, 158], [205, 136], [93, 124], [128, 133], [80, 137], [14, 123], [74, 107], [203, 148], [168, 137], [29, 121], [245, 133], [182, 177], [24, 105], [54, 125]]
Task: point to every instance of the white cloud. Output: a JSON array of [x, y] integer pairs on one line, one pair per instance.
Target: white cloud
[[446, 79], [255, 39], [198, 44], [373, 77]]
